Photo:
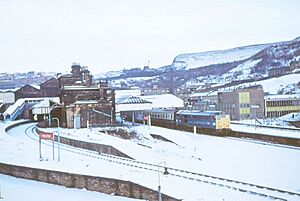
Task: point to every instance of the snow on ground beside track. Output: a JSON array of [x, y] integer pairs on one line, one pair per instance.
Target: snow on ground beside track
[[251, 128], [239, 160], [244, 161], [16, 189]]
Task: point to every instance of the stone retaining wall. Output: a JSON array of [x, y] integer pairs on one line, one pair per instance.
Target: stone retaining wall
[[99, 184]]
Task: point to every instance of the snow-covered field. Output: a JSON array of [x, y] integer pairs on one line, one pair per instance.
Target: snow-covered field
[[265, 165]]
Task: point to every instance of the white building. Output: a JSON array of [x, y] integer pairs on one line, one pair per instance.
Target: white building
[[7, 96]]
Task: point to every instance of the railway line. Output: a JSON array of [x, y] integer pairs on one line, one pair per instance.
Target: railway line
[[243, 187]]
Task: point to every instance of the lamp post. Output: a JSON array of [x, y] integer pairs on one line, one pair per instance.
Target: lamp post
[[58, 139], [165, 173], [255, 107]]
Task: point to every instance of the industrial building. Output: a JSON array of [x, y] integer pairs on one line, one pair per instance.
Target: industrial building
[[242, 102], [280, 105]]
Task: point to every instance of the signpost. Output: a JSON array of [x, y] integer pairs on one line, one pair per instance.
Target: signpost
[[46, 136]]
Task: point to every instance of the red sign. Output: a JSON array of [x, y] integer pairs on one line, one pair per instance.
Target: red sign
[[46, 136]]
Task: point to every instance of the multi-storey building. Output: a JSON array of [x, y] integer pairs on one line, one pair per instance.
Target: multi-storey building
[[280, 105], [242, 103]]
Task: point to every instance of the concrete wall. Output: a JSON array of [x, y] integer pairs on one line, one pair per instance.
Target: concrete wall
[[99, 184]]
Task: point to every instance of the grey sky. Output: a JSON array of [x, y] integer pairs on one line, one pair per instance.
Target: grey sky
[[108, 35]]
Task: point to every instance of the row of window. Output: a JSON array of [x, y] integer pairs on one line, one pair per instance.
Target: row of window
[[169, 116], [283, 103], [200, 118], [278, 113]]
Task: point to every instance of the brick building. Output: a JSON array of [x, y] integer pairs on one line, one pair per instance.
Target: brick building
[[50, 87], [28, 91], [83, 106], [242, 103], [79, 76]]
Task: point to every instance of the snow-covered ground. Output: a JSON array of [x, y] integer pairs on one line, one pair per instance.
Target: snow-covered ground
[[16, 189], [265, 165], [281, 131]]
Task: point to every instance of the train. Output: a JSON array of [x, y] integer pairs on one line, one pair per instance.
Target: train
[[177, 119]]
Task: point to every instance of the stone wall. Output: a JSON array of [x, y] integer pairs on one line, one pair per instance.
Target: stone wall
[[101, 148], [99, 184]]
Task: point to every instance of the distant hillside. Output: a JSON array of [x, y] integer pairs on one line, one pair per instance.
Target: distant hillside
[[201, 59], [214, 68]]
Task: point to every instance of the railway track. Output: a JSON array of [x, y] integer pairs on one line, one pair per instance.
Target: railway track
[[296, 130], [244, 187]]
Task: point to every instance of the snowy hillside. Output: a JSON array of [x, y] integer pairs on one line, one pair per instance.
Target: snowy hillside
[[278, 55], [283, 85], [195, 60], [216, 68]]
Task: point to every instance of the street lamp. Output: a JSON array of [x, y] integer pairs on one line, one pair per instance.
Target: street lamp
[[58, 139], [165, 173], [255, 107]]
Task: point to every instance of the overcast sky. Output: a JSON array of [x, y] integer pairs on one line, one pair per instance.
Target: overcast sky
[[108, 35]]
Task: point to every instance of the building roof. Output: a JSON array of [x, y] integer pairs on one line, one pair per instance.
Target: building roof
[[201, 94], [49, 80], [85, 102], [75, 87], [46, 103], [282, 97], [34, 87], [126, 93], [164, 101], [127, 99], [198, 112]]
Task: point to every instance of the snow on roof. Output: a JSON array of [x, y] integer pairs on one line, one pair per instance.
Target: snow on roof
[[198, 112], [80, 88], [9, 90], [20, 101], [54, 99], [131, 100], [125, 93], [45, 103], [200, 94], [164, 101], [86, 102], [11, 109], [282, 96]]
